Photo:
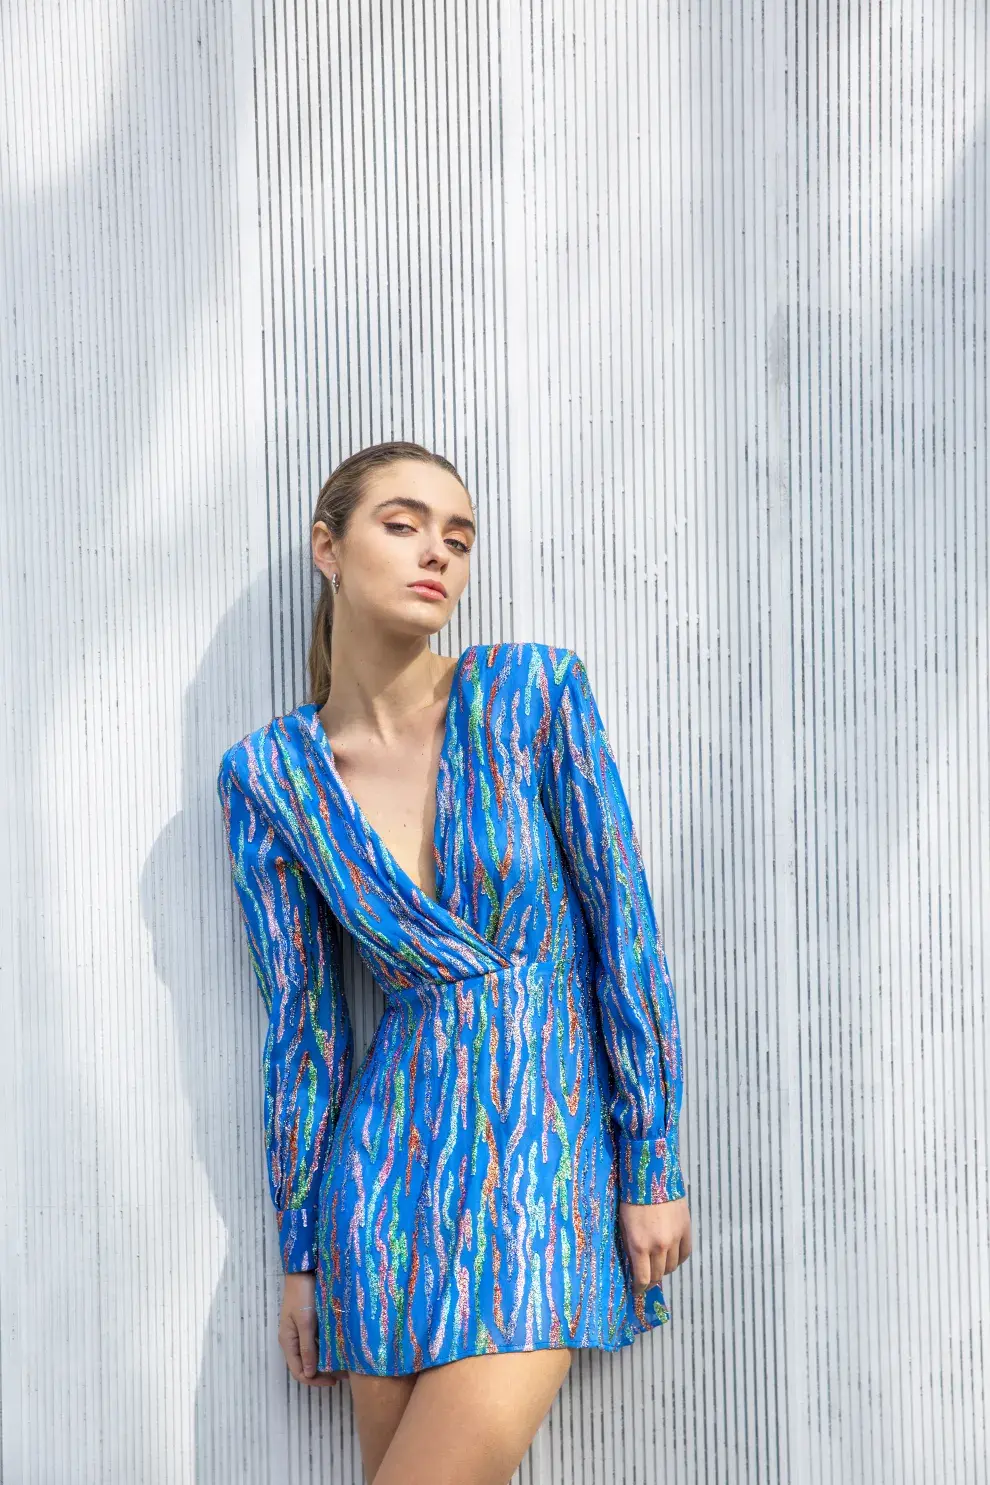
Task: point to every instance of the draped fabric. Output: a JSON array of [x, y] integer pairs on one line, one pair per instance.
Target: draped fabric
[[456, 1193]]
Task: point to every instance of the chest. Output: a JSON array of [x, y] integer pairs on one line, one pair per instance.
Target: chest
[[455, 817], [396, 791]]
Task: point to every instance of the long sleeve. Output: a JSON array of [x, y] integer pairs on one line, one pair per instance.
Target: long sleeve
[[584, 799], [308, 1049]]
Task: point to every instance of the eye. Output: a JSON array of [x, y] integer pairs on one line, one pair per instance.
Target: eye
[[461, 546]]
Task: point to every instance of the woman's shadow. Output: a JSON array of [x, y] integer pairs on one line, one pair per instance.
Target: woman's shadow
[[253, 1420]]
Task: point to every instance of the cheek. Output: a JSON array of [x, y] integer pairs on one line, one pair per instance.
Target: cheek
[[457, 577], [379, 564]]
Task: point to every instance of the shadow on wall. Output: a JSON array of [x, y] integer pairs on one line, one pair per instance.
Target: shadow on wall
[[252, 1417]]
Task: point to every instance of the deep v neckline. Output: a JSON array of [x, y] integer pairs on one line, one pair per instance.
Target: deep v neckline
[[311, 710]]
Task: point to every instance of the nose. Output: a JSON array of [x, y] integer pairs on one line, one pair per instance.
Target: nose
[[436, 553]]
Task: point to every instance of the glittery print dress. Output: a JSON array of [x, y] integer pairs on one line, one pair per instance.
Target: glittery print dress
[[456, 1192]]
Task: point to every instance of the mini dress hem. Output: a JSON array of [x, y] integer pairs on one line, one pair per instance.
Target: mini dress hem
[[465, 1353]]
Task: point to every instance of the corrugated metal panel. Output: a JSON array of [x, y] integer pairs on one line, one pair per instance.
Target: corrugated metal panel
[[697, 301]]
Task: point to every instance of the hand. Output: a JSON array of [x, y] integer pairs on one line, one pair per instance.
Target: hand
[[656, 1237], [297, 1332]]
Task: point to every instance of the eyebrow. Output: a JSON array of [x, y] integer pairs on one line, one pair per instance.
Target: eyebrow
[[420, 508]]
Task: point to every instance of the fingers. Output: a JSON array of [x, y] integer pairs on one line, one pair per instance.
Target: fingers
[[288, 1339], [663, 1261], [657, 1239], [298, 1338], [306, 1326], [650, 1266], [641, 1265]]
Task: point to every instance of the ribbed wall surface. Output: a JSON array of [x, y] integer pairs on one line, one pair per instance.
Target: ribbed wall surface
[[697, 302]]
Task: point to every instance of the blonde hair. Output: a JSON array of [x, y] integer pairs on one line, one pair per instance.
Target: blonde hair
[[335, 505]]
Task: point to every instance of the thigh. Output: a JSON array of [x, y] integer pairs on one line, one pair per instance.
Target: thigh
[[471, 1422], [378, 1403]]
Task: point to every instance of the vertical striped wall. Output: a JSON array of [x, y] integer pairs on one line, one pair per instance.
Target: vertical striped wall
[[695, 296]]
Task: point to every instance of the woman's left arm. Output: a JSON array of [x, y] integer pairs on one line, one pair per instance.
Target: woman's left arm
[[586, 803]]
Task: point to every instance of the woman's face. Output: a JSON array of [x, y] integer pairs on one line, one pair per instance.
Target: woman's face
[[413, 525]]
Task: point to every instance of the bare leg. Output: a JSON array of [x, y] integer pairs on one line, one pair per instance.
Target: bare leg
[[471, 1422], [379, 1403]]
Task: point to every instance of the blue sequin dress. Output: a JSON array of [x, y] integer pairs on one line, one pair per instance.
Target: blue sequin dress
[[456, 1193]]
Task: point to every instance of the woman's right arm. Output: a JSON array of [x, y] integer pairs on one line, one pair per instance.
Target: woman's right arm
[[309, 1046]]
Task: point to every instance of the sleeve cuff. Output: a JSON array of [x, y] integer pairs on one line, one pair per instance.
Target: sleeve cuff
[[649, 1170], [297, 1239]]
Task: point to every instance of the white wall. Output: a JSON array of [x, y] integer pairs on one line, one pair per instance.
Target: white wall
[[695, 296]]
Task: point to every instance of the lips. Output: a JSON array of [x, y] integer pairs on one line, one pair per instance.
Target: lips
[[437, 588]]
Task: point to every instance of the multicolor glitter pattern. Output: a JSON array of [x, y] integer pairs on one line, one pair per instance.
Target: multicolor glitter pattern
[[457, 1193], [309, 1047], [583, 796]]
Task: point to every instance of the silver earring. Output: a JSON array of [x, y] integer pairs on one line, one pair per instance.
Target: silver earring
[[335, 583]]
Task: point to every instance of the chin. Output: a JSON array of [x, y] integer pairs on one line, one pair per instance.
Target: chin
[[424, 628]]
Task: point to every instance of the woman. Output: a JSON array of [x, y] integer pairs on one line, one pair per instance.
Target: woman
[[498, 1183]]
